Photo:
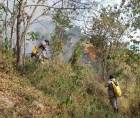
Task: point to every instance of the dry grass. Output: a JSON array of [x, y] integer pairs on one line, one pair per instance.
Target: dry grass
[[23, 97], [56, 90]]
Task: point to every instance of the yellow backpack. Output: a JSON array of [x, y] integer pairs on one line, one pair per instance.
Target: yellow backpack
[[117, 89], [34, 50]]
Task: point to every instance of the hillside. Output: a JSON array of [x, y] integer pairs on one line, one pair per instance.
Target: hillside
[[54, 90], [58, 58]]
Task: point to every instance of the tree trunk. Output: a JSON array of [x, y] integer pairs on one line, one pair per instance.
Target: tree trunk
[[5, 27], [12, 27], [1, 38], [18, 41]]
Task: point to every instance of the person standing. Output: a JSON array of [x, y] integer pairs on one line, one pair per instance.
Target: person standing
[[47, 50], [111, 93]]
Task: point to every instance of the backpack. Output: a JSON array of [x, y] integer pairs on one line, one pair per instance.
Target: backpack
[[34, 50], [117, 89]]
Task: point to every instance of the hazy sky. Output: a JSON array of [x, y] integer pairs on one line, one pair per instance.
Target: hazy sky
[[81, 24]]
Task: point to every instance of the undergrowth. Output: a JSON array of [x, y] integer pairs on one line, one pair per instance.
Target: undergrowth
[[76, 92]]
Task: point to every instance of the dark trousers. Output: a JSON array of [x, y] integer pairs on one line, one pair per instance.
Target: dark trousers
[[114, 103]]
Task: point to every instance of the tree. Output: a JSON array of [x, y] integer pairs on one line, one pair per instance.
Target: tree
[[4, 22], [24, 20], [64, 17], [136, 11], [62, 22], [133, 7], [18, 31], [106, 35]]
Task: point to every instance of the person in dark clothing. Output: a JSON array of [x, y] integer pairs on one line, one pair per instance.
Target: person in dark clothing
[[112, 97]]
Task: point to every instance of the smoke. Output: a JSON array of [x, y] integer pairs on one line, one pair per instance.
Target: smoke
[[43, 28], [74, 36]]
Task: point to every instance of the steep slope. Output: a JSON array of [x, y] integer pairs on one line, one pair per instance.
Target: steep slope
[[21, 100], [18, 99], [54, 90]]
